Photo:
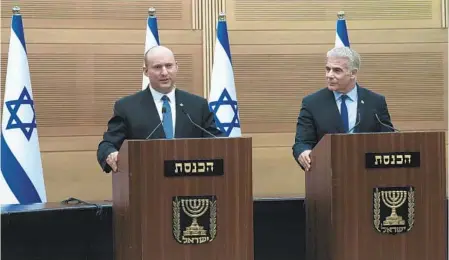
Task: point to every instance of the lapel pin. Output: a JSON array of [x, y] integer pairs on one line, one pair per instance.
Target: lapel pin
[[363, 102]]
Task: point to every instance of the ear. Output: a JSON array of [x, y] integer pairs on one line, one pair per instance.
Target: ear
[[354, 73], [145, 70]]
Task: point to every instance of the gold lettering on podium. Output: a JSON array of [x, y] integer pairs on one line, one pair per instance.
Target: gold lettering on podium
[[194, 167], [178, 167], [409, 157], [400, 159], [393, 159], [386, 159], [201, 167], [210, 166], [378, 159]]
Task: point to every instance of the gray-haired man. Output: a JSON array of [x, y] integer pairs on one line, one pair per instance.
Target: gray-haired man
[[342, 107]]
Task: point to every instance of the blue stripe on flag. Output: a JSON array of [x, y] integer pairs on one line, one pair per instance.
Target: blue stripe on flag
[[16, 177], [343, 32], [152, 24], [17, 27], [222, 35]]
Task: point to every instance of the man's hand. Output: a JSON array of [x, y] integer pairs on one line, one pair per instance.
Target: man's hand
[[112, 161], [304, 159]]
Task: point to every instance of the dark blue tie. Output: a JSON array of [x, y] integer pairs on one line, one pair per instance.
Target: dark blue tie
[[344, 113], [167, 121]]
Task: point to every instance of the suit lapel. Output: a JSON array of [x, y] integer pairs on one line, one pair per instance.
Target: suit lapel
[[360, 108], [153, 117], [334, 112], [181, 118]]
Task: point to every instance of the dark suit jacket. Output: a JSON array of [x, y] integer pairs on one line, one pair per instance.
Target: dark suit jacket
[[319, 115], [135, 117]]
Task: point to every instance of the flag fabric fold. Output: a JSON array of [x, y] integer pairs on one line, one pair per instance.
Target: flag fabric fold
[[21, 173], [151, 39], [223, 95]]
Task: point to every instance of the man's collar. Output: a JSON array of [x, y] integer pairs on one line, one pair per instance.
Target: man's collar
[[158, 95], [351, 94]]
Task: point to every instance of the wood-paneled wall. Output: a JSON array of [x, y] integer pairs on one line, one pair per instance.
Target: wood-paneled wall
[[85, 54]]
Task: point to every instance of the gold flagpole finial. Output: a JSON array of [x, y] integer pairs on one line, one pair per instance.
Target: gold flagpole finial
[[222, 16], [152, 11], [16, 10], [341, 15]]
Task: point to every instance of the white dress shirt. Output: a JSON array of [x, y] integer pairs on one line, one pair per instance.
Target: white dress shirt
[[157, 97], [351, 104]]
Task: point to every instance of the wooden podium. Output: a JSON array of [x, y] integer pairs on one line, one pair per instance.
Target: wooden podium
[[377, 196], [184, 199]]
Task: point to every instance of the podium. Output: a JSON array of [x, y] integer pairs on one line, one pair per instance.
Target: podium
[[377, 196], [184, 199]]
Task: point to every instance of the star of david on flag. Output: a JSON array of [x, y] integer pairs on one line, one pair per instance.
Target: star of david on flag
[[225, 100], [151, 39], [21, 175], [223, 96], [14, 121]]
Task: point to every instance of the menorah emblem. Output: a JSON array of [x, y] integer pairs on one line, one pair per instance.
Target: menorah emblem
[[194, 219], [401, 202], [393, 200], [195, 208]]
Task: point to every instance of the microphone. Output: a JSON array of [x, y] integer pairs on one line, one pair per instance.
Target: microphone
[[356, 124], [187, 114], [154, 130], [382, 123]]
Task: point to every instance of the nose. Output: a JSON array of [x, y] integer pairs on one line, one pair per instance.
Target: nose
[[329, 74], [164, 71]]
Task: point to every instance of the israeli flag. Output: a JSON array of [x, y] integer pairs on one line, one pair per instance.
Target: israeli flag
[[223, 96], [21, 178], [151, 40], [341, 37]]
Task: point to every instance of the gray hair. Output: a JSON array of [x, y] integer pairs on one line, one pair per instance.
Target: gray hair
[[348, 53]]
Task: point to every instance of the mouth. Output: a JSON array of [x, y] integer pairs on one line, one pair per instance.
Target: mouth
[[164, 81]]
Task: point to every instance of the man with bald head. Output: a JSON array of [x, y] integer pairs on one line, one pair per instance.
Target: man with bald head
[[160, 111], [342, 107]]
